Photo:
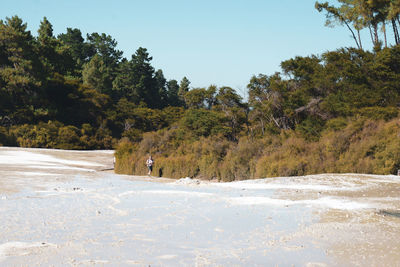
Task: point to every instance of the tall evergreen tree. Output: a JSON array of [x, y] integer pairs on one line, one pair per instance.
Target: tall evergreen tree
[[53, 53], [123, 85], [162, 93], [80, 50], [183, 88], [106, 47], [96, 75], [172, 92], [143, 76], [20, 68], [138, 82], [45, 30]]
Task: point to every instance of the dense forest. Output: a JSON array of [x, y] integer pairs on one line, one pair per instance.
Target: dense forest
[[335, 112], [74, 93]]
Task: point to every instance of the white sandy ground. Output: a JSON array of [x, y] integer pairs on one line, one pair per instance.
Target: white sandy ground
[[63, 208]]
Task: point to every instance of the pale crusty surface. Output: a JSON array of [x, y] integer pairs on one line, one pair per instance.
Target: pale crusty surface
[[68, 208]]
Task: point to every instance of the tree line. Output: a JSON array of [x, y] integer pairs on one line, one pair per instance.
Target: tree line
[[82, 83], [333, 113], [320, 113]]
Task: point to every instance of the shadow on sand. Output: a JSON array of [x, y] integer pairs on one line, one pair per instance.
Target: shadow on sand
[[390, 213]]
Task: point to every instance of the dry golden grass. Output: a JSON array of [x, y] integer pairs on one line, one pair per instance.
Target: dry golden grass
[[346, 145]]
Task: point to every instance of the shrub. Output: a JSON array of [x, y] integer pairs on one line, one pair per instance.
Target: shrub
[[6, 138], [175, 166], [379, 113], [310, 128], [68, 138], [41, 135], [124, 157], [202, 122], [336, 124], [354, 145], [240, 161]]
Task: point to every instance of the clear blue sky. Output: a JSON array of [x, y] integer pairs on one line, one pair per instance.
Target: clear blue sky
[[222, 42]]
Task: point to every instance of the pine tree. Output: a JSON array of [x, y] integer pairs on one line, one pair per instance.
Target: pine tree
[[183, 88], [53, 53], [172, 91], [143, 77], [80, 51], [105, 46], [20, 68], [95, 74]]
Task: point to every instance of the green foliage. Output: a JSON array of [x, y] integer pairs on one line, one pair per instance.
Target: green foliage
[[96, 75], [105, 47], [316, 120], [336, 124], [336, 112], [54, 134], [143, 78], [19, 69], [68, 137], [5, 137], [125, 156], [78, 83], [357, 15], [177, 167], [202, 122], [138, 82], [240, 161], [310, 128], [195, 98], [42, 135], [380, 113], [345, 145], [172, 93], [235, 112], [183, 87]]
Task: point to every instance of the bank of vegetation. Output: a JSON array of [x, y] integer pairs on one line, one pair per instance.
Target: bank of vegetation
[[72, 92], [335, 112]]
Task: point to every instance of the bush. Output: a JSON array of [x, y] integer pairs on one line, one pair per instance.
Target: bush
[[42, 135], [202, 122], [310, 128], [68, 138], [175, 166], [6, 138], [346, 145], [336, 124], [240, 161], [54, 134], [125, 157], [286, 160], [379, 113]]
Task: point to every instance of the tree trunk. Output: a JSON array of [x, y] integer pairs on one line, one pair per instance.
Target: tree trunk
[[395, 31], [398, 21], [262, 127], [384, 33], [376, 37], [359, 39], [276, 122], [370, 32], [352, 32]]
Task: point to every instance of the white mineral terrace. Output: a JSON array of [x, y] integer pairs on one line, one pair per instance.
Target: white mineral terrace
[[67, 208]]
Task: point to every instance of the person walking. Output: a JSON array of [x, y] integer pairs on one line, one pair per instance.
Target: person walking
[[149, 163]]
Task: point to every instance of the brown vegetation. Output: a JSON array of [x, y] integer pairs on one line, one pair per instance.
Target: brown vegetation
[[356, 145]]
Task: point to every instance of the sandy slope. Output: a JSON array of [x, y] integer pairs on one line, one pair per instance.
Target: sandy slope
[[61, 208]]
